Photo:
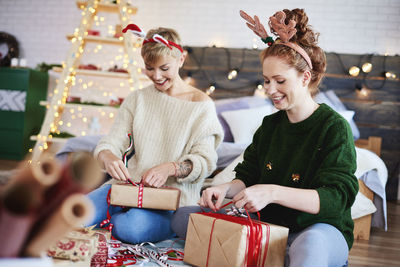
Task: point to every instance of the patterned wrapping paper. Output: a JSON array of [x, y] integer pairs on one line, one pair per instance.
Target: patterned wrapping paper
[[229, 242], [77, 245], [99, 259], [153, 198]]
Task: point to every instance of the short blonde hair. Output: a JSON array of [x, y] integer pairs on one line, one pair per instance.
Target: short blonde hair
[[152, 52]]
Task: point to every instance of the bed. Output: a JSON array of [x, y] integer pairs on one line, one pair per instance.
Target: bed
[[369, 208], [362, 225]]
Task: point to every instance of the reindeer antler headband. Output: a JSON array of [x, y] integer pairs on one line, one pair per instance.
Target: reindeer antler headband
[[278, 27], [156, 38]]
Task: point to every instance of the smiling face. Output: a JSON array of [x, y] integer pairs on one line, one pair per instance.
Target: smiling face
[[284, 85], [164, 72]]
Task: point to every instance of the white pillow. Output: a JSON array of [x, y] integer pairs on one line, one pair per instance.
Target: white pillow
[[244, 122], [227, 174], [322, 98], [362, 206], [347, 114]]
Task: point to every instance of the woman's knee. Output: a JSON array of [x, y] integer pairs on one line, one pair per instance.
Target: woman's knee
[[99, 199], [180, 220], [318, 245], [140, 225]]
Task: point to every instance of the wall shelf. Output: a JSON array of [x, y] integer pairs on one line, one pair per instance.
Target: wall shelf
[[105, 7], [99, 39], [74, 105]]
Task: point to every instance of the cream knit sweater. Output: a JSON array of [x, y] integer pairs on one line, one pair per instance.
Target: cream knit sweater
[[166, 129]]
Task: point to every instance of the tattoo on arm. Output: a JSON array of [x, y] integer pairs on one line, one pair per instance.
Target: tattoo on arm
[[184, 168]]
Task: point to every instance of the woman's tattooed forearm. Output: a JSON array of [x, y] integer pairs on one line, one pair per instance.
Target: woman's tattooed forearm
[[184, 168]]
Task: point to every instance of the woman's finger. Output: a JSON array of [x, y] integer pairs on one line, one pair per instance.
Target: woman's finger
[[219, 202], [209, 202], [113, 173], [201, 202], [124, 170]]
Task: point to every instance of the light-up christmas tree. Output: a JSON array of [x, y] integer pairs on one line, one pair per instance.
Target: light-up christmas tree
[[86, 97]]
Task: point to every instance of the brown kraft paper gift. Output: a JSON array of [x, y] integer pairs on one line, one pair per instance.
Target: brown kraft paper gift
[[229, 242], [153, 198]]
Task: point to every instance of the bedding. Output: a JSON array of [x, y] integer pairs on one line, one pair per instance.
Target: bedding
[[370, 169], [235, 105], [244, 122], [331, 99]]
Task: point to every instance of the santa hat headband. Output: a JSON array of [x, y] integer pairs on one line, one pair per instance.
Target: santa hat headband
[[278, 27], [155, 39]]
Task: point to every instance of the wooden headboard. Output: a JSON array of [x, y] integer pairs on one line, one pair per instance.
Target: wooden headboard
[[376, 107], [373, 143], [362, 225]]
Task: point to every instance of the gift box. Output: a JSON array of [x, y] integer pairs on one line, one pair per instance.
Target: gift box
[[77, 245], [145, 197], [223, 240]]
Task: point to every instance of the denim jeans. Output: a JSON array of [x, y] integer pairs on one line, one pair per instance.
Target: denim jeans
[[131, 225], [320, 244]]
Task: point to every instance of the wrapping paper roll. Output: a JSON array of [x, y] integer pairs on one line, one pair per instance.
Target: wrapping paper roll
[[38, 176], [20, 198], [75, 211], [15, 220], [80, 174], [84, 170]]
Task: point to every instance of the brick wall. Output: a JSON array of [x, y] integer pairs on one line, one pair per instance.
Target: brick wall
[[346, 26]]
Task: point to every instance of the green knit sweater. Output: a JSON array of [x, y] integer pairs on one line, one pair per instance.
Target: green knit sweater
[[317, 153]]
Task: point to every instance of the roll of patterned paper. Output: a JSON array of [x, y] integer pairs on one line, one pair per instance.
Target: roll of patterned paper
[[21, 197], [16, 219], [37, 175], [80, 174], [84, 170], [75, 210]]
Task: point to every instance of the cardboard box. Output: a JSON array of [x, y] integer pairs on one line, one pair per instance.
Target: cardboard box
[[229, 242], [153, 198]]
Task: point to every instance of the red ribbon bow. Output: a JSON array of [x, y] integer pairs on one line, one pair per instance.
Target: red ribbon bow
[[254, 236]]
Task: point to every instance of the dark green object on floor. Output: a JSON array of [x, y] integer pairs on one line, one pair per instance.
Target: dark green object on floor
[[21, 115]]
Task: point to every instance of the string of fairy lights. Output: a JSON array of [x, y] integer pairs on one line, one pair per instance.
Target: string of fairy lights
[[232, 72], [70, 69], [364, 67], [70, 72]]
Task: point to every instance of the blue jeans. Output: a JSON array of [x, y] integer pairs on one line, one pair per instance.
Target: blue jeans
[[131, 225], [319, 245]]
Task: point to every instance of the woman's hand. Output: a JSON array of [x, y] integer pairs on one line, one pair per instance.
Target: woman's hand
[[215, 193], [113, 165], [158, 175], [254, 198]]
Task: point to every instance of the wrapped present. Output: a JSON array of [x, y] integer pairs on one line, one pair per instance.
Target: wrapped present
[[77, 245], [145, 197], [221, 240]]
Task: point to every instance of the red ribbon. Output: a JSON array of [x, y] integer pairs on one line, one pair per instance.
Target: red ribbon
[[140, 192], [254, 237], [108, 220]]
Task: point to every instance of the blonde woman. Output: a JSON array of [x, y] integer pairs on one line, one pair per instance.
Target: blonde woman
[[175, 131]]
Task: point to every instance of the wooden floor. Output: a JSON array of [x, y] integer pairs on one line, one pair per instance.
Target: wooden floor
[[383, 248]]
